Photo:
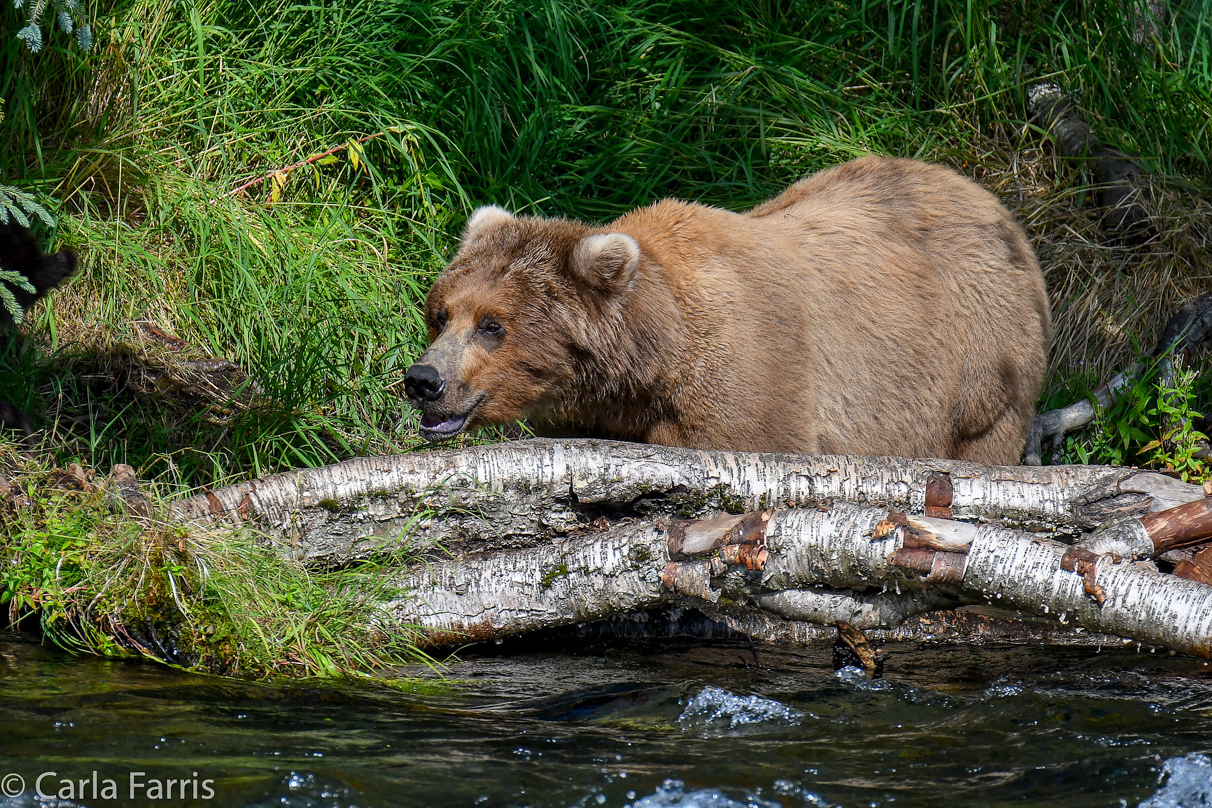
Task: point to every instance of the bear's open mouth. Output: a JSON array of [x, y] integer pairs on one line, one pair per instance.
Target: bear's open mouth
[[434, 426], [438, 426]]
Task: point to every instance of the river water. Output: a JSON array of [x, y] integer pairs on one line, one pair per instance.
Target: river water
[[654, 726]]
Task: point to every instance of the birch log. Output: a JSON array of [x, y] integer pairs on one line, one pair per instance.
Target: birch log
[[530, 493], [780, 561]]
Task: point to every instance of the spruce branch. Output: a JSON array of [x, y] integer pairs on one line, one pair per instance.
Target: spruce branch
[[20, 206], [68, 14], [8, 300]]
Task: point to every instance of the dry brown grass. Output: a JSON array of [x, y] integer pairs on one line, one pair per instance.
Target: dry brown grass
[[1109, 299]]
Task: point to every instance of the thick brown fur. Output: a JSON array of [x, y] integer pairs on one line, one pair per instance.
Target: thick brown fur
[[884, 306]]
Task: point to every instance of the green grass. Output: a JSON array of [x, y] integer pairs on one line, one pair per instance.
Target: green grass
[[311, 283], [96, 579]]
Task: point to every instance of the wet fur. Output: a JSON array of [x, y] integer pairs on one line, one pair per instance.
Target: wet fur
[[884, 306], [19, 253]]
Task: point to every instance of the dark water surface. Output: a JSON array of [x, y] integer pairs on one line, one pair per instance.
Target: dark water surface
[[948, 726]]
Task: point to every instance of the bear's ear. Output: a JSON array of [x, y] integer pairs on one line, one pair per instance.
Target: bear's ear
[[607, 260], [484, 219]]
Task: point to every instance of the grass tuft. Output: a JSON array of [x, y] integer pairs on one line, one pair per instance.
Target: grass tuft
[[99, 580]]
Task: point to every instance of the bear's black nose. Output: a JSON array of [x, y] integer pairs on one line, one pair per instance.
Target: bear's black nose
[[423, 383]]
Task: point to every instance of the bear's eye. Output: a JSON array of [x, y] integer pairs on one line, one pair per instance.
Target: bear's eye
[[440, 319], [491, 328]]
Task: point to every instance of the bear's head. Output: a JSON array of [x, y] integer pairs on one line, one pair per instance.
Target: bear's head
[[515, 317]]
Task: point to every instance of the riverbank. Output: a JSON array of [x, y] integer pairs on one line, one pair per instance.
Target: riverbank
[[99, 570]]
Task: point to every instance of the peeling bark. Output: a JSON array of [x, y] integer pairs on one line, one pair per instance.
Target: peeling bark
[[527, 493], [834, 565], [1196, 568]]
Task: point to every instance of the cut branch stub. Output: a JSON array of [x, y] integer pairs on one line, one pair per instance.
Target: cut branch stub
[[935, 546], [939, 494], [693, 578], [851, 649], [1183, 526], [123, 488], [1085, 564], [739, 539]]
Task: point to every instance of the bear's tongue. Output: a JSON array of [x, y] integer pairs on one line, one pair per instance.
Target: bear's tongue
[[436, 423]]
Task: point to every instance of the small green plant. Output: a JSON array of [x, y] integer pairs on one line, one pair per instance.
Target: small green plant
[[1152, 422], [1120, 429], [98, 580], [1179, 443]]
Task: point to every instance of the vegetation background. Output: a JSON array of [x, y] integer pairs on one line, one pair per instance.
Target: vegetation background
[[261, 191], [174, 156]]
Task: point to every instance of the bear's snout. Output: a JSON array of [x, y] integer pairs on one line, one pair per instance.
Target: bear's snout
[[423, 383]]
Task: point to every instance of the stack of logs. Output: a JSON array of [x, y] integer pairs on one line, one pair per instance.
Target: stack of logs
[[540, 534]]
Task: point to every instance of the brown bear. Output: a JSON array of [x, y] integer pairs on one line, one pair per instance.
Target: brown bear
[[884, 306]]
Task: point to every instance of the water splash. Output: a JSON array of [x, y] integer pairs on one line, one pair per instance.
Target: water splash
[[673, 792], [713, 705], [1188, 784]]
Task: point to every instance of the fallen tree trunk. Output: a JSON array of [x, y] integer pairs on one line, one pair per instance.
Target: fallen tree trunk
[[778, 561], [541, 534], [530, 493], [1120, 184]]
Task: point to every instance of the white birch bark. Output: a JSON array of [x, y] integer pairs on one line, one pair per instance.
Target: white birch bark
[[515, 591], [847, 547], [1141, 603], [861, 610], [527, 493]]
